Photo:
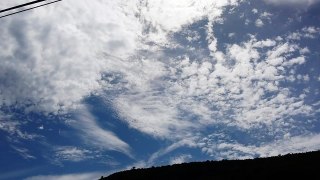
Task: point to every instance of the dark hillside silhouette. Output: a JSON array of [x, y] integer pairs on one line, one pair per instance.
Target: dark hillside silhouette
[[297, 166]]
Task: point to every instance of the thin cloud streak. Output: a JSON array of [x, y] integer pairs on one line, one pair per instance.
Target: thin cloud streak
[[79, 176], [92, 134]]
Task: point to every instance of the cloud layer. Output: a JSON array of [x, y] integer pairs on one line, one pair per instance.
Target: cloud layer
[[296, 3], [52, 56], [165, 72]]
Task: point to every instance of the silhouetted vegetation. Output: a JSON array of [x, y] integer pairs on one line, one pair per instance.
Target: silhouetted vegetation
[[297, 166]]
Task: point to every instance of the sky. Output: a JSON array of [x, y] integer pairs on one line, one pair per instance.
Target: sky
[[92, 87]]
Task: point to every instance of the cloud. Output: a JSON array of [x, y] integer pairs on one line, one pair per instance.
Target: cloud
[[296, 3], [259, 23], [52, 63], [13, 129], [53, 58], [241, 87], [92, 134], [180, 159], [23, 152], [56, 62], [73, 154], [119, 52], [60, 58], [186, 142], [173, 15], [79, 176], [254, 11], [16, 174], [233, 150], [266, 16], [308, 32]]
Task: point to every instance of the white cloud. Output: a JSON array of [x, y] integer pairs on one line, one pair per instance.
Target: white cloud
[[295, 3], [306, 78], [265, 43], [54, 61], [288, 144], [93, 134], [187, 141], [165, 17], [266, 15], [247, 21], [230, 91], [23, 152], [41, 127], [12, 128], [254, 11], [259, 23], [74, 154], [57, 60], [308, 32], [311, 30], [304, 50], [180, 159], [148, 109], [79, 176], [231, 35], [15, 174], [293, 61], [295, 36], [154, 115]]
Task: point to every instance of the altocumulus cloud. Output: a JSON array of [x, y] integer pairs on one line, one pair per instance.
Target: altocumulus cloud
[[241, 87]]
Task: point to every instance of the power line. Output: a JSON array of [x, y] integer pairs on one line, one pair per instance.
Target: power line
[[19, 6], [26, 4]]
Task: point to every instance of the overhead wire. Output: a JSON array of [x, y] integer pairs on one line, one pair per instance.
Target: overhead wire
[[21, 5], [28, 9]]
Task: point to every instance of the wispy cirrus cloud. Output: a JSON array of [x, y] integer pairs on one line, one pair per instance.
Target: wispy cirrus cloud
[[23, 152], [16, 174], [93, 134], [12, 128], [80, 176], [73, 154]]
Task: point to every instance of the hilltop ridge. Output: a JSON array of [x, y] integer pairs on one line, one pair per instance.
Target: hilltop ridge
[[301, 165]]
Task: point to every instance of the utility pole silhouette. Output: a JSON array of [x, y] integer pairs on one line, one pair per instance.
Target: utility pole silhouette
[[41, 2]]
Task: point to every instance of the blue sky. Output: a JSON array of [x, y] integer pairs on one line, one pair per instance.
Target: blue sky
[[88, 88]]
